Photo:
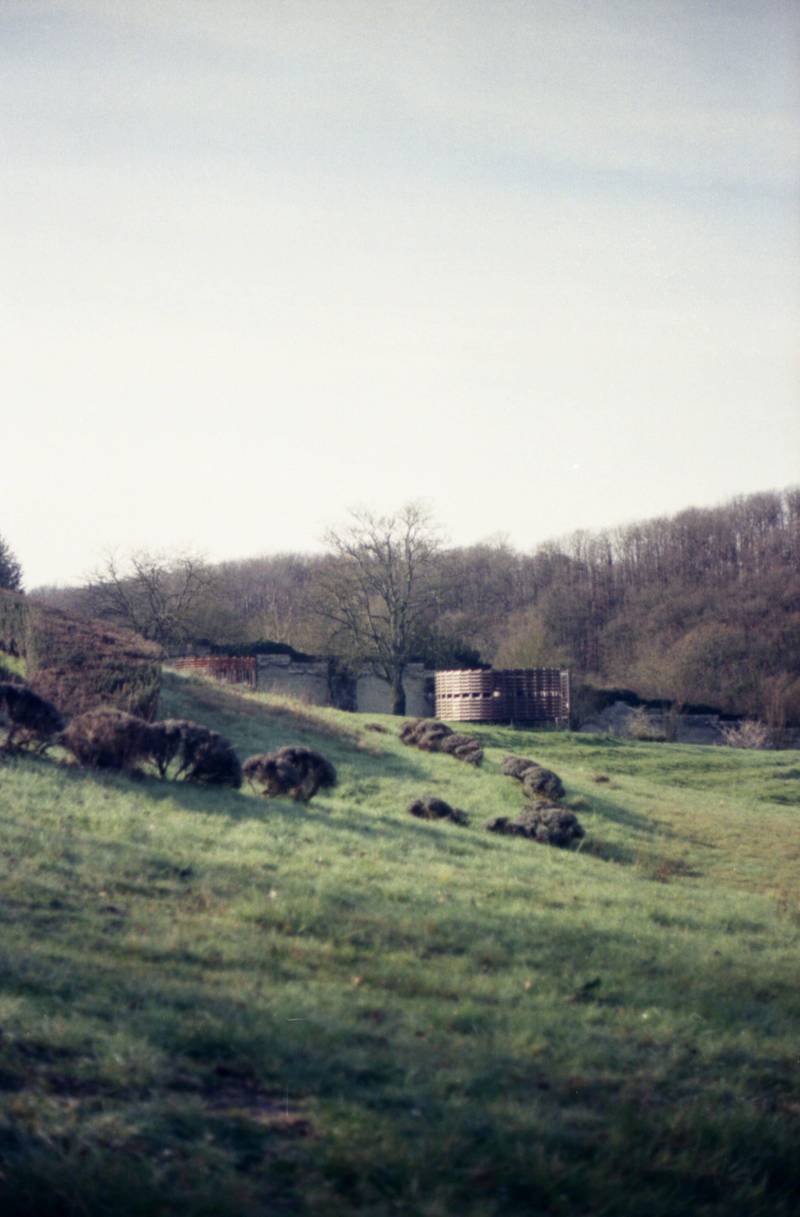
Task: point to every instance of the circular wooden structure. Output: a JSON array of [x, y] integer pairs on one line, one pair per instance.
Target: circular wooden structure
[[509, 695]]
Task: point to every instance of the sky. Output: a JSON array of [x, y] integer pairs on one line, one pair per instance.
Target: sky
[[534, 262]]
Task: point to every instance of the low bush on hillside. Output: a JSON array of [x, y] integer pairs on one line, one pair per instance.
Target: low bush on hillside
[[433, 736], [541, 783], [212, 761], [432, 808], [537, 781], [293, 770], [178, 741], [108, 739], [542, 822], [32, 720]]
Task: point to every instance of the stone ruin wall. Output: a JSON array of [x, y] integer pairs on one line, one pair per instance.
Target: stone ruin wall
[[680, 729], [308, 681], [374, 696]]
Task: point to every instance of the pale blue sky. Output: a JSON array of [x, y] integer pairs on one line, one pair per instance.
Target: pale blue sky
[[262, 261]]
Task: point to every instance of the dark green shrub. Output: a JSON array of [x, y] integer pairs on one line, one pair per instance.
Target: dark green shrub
[[10, 569], [292, 770], [537, 781], [431, 808], [33, 721], [432, 736], [543, 822], [107, 739], [202, 755]]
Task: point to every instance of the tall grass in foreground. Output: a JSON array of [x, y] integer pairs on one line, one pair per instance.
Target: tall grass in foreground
[[215, 1004]]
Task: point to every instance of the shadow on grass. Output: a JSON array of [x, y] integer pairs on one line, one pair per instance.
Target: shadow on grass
[[243, 1026], [535, 738], [347, 821], [608, 851], [406, 1072], [381, 1049], [611, 851], [239, 805], [631, 820], [235, 704]]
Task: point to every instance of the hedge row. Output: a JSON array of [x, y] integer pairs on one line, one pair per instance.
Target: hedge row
[[79, 664]]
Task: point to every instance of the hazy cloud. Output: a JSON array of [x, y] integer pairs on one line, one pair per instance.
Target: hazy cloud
[[263, 259]]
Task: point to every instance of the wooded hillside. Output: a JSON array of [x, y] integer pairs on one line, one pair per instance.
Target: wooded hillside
[[702, 607]]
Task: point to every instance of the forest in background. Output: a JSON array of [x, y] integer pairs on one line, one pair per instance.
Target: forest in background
[[702, 607]]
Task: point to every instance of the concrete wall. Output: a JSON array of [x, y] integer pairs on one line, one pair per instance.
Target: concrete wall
[[374, 696], [420, 700], [684, 729], [307, 682]]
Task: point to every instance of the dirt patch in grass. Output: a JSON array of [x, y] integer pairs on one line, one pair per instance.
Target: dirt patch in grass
[[235, 1092], [663, 869]]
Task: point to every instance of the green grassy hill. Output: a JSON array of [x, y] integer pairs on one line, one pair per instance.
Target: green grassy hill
[[213, 1004]]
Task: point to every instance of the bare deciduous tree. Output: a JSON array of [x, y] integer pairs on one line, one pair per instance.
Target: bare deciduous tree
[[378, 590], [157, 595]]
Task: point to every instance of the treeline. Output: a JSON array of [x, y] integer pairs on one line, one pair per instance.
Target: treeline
[[702, 607]]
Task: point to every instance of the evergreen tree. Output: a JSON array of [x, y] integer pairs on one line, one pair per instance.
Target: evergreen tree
[[10, 569]]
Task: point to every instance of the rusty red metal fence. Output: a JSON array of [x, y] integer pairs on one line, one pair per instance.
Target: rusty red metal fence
[[232, 669], [511, 695]]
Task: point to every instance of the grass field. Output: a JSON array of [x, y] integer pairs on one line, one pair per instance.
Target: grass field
[[218, 1005]]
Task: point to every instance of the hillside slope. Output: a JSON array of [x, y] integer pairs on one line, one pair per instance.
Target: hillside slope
[[217, 1004]]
